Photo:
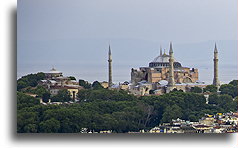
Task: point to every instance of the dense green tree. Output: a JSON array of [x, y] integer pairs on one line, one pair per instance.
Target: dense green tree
[[226, 102], [236, 102], [40, 91], [116, 110], [196, 89], [85, 84], [234, 82], [213, 99], [27, 121], [24, 100], [229, 89], [210, 88], [21, 84], [29, 80], [104, 94], [235, 91], [46, 97], [49, 126], [30, 128], [96, 85], [62, 96], [171, 112], [193, 118]]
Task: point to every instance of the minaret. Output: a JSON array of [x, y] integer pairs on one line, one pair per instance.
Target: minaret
[[171, 83], [216, 82], [160, 51], [109, 67]]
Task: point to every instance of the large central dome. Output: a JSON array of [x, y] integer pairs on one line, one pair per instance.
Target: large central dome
[[162, 58], [163, 61]]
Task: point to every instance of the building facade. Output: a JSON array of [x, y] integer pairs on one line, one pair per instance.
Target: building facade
[[55, 81], [159, 69]]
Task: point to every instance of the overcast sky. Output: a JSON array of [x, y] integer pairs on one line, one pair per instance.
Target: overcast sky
[[164, 20], [52, 31]]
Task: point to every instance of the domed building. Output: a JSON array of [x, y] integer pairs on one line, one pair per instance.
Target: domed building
[[163, 61], [53, 73], [158, 70]]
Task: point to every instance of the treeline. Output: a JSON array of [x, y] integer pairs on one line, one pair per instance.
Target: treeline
[[229, 89], [115, 110], [29, 84], [30, 80], [102, 109]]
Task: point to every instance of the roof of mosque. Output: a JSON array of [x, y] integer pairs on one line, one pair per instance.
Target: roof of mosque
[[164, 58], [53, 70]]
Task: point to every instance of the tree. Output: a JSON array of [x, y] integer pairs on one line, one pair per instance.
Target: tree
[[40, 91], [236, 102], [85, 84], [49, 126], [214, 99], [72, 78], [104, 109], [96, 85], [21, 84], [24, 100], [30, 128], [171, 112], [196, 89], [62, 96], [193, 118], [210, 88], [29, 80], [229, 89], [26, 121], [226, 102], [234, 82], [46, 97], [104, 95]]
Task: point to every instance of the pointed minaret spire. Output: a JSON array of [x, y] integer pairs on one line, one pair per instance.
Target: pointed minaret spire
[[216, 81], [160, 51], [164, 51], [170, 48], [109, 67], [109, 52], [215, 49], [171, 83]]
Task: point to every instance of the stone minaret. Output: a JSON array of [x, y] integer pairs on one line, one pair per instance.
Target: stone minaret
[[160, 51], [171, 83], [109, 67], [216, 82]]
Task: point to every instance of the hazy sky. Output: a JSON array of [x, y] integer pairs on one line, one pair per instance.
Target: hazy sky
[[165, 20], [52, 32]]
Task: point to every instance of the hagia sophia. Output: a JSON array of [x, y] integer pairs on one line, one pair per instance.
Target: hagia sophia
[[162, 75]]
